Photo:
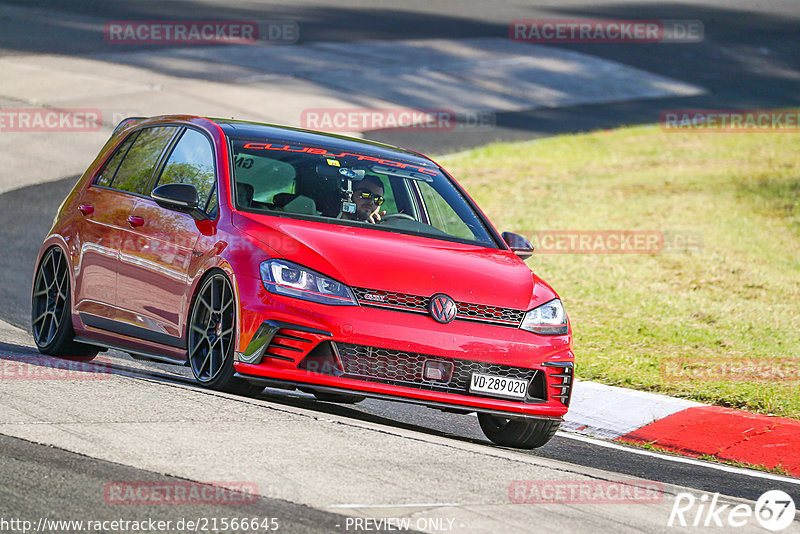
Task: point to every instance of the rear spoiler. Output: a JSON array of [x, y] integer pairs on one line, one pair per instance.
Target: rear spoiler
[[125, 122]]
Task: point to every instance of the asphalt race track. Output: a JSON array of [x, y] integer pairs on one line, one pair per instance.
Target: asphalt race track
[[47, 197], [748, 58], [62, 442], [64, 480]]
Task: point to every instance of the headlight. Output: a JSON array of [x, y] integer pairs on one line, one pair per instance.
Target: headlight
[[293, 280], [548, 319]]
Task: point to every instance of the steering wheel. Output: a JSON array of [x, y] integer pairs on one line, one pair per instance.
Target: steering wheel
[[397, 216]]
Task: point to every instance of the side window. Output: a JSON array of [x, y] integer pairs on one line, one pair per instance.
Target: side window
[[441, 215], [107, 174], [213, 204], [191, 162], [135, 170]]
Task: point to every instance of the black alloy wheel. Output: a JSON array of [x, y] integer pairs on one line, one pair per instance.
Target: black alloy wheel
[[51, 315], [211, 337]]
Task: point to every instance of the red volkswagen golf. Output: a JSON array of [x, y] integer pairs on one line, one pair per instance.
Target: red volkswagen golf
[[260, 255]]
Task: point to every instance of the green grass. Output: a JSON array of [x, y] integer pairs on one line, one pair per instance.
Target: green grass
[[777, 470], [735, 299]]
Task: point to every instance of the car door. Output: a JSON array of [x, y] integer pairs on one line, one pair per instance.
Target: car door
[[129, 182], [154, 269], [104, 212]]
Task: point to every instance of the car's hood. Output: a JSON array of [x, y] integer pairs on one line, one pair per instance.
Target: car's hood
[[375, 259]]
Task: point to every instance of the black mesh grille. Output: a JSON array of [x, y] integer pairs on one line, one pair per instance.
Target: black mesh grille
[[480, 311], [405, 369], [371, 297], [415, 303]]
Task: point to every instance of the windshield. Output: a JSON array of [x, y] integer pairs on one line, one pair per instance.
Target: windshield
[[355, 189]]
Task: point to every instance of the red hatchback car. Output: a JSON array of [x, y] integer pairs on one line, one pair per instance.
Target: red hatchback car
[[261, 256]]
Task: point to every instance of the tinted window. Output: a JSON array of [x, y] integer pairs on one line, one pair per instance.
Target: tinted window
[[191, 162], [107, 174], [136, 169]]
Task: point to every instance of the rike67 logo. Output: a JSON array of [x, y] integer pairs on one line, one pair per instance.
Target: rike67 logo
[[774, 510]]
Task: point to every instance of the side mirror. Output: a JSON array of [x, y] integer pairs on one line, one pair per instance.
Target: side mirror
[[518, 245], [178, 197]]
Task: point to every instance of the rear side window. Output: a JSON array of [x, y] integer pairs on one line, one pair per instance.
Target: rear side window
[[137, 166], [106, 176], [191, 162]]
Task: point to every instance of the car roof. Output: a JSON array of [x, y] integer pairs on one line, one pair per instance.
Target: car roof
[[286, 134]]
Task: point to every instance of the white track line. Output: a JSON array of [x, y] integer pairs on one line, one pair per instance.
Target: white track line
[[681, 459], [423, 505]]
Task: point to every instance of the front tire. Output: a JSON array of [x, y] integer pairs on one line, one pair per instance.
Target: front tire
[[51, 313], [211, 336], [521, 434]]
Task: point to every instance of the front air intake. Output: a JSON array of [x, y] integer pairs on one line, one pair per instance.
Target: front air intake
[[561, 380], [322, 360]]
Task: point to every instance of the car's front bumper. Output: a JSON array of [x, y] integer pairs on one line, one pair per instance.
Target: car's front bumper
[[278, 334]]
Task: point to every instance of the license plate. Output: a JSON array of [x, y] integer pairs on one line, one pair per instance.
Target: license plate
[[498, 385]]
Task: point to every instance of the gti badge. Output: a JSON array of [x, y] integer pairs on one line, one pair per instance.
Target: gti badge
[[442, 308]]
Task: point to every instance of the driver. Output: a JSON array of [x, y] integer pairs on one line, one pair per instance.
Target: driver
[[368, 198]]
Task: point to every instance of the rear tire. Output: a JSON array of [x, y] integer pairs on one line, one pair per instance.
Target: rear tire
[[210, 337], [51, 310], [521, 434]]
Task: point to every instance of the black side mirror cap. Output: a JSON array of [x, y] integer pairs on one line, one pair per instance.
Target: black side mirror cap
[[178, 197], [518, 245]]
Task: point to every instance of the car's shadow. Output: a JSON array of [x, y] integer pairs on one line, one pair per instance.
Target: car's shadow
[[354, 413], [20, 362]]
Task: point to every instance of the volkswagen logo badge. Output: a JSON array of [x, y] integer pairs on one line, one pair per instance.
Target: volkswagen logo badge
[[442, 308]]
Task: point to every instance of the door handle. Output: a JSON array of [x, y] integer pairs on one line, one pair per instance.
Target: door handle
[[135, 221], [86, 209]]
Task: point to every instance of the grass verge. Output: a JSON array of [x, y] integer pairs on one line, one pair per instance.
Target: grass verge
[[715, 315], [650, 446]]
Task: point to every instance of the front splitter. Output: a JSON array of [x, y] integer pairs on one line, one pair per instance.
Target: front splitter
[[291, 384]]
